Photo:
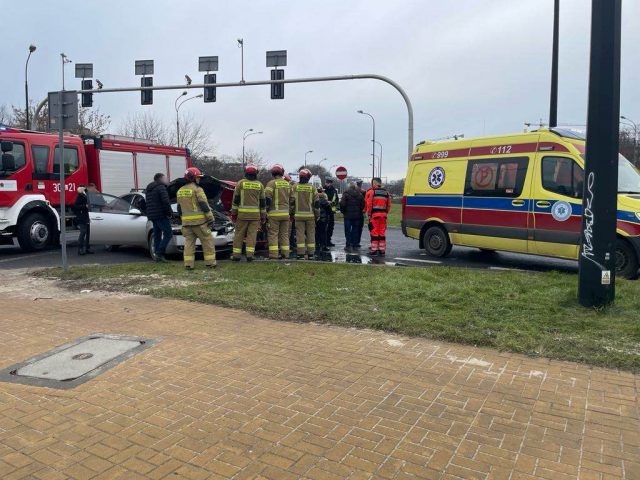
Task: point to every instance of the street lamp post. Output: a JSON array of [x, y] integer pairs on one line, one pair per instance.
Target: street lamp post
[[246, 135], [32, 48], [373, 143], [178, 110], [175, 105], [380, 160], [65, 60], [305, 157], [635, 137], [553, 108]]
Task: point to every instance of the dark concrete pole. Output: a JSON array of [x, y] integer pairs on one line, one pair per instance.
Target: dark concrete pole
[[598, 248]]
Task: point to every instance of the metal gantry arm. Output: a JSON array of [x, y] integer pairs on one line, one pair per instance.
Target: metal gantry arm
[[335, 78]]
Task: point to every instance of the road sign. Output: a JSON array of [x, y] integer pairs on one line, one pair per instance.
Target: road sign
[[341, 173], [208, 64], [69, 107], [277, 58]]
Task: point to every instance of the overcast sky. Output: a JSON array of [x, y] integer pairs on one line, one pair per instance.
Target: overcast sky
[[469, 66]]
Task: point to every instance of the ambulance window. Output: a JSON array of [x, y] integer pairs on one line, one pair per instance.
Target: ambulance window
[[496, 178], [40, 156], [71, 163], [562, 175]]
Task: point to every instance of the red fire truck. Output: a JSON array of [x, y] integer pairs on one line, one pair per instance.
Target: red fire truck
[[30, 177]]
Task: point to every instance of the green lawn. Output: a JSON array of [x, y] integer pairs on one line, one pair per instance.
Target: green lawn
[[531, 313]]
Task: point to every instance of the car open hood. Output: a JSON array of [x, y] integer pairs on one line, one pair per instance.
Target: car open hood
[[214, 189]]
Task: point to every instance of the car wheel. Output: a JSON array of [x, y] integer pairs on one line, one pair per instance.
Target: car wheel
[[626, 261], [436, 241], [151, 245], [34, 232]]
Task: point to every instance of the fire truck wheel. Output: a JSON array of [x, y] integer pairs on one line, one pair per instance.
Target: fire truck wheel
[[34, 232], [626, 260], [436, 241]]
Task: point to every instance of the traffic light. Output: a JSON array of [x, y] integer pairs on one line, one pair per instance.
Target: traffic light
[[209, 92], [87, 98], [146, 96], [277, 89]]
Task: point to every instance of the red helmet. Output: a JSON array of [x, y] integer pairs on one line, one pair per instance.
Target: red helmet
[[287, 177], [192, 173], [277, 170], [251, 169], [305, 172]]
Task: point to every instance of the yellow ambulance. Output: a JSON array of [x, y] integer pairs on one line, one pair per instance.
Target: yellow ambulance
[[518, 193]]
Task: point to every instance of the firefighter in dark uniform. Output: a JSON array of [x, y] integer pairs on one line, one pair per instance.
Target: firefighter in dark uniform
[[277, 194], [247, 212], [197, 220], [332, 196]]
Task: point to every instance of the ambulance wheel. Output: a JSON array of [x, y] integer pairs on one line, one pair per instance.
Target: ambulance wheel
[[34, 232], [436, 241], [626, 261]]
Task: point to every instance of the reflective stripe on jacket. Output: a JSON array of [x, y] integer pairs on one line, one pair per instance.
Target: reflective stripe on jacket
[[302, 201], [248, 200], [377, 200], [332, 196], [193, 205], [278, 194]]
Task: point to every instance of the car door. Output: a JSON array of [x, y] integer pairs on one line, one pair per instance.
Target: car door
[[495, 208], [113, 224], [557, 206]]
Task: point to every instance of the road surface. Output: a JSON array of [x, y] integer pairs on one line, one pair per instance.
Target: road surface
[[400, 250]]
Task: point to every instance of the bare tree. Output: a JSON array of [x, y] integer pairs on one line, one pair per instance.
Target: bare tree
[[5, 116], [145, 126], [193, 134], [91, 120], [19, 118]]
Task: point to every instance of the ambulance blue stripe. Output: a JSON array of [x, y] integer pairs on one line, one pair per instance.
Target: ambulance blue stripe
[[492, 203], [628, 216], [454, 201]]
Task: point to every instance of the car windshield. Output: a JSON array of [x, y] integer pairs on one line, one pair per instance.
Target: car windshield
[[628, 177]]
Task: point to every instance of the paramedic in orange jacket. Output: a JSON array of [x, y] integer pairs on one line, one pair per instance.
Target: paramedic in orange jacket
[[377, 206]]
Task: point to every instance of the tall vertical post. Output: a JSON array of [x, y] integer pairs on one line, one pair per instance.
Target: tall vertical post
[[553, 107], [596, 285], [373, 151], [63, 223]]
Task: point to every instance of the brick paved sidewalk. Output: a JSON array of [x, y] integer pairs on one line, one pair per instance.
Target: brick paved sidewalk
[[228, 395]]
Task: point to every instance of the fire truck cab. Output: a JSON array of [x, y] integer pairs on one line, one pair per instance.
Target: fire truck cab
[[30, 177]]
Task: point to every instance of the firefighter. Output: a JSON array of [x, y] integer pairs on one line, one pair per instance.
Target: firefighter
[[303, 210], [197, 220], [277, 194], [247, 212], [292, 224], [332, 196], [377, 206]]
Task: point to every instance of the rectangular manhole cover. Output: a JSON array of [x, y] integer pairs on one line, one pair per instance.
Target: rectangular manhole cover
[[76, 362]]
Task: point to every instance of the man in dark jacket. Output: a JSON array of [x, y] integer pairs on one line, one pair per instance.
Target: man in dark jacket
[[81, 210], [159, 212], [323, 206], [351, 206], [361, 221], [332, 196]]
